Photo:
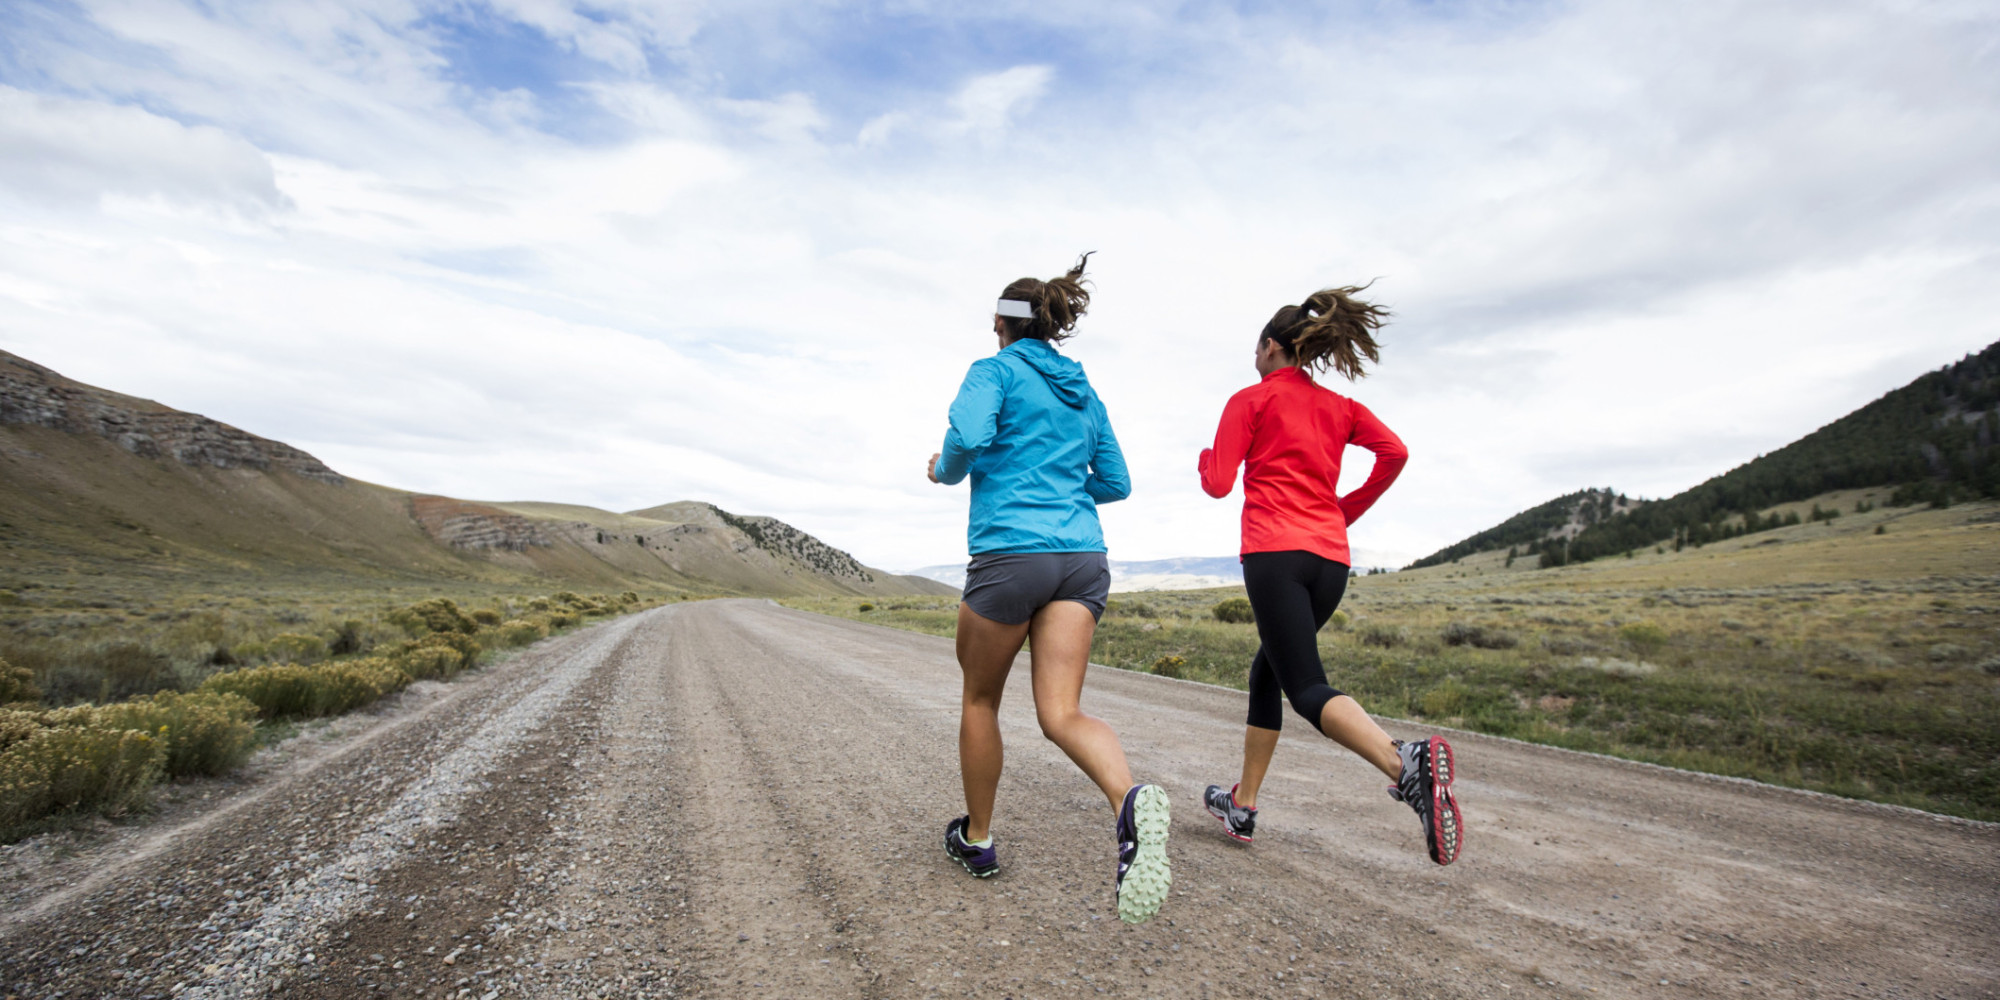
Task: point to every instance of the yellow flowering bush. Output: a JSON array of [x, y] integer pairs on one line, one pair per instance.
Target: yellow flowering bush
[[288, 689], [62, 769], [17, 684], [294, 648], [206, 732], [520, 632]]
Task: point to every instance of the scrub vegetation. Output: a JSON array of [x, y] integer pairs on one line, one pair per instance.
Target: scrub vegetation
[[1824, 655], [101, 697]]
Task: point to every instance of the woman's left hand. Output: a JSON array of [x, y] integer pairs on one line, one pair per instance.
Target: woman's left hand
[[931, 470]]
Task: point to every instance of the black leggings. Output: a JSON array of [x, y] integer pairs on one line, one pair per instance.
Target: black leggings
[[1292, 594]]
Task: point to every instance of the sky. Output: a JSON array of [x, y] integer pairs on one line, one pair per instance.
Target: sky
[[621, 253]]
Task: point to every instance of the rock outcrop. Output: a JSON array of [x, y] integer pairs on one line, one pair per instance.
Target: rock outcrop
[[464, 525], [36, 396]]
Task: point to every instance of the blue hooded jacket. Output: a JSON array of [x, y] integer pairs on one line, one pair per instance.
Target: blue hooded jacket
[[1036, 440]]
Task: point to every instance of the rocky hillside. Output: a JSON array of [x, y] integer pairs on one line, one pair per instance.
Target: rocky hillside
[[34, 396], [95, 481]]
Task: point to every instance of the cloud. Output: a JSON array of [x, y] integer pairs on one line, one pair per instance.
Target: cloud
[[59, 150], [983, 110], [626, 253]]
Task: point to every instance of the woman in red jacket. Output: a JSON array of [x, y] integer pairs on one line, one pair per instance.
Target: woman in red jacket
[[1288, 433]]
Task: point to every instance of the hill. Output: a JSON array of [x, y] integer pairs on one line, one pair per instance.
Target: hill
[[94, 481], [1929, 442]]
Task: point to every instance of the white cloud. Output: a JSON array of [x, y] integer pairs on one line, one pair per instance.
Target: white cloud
[[59, 150], [1627, 245]]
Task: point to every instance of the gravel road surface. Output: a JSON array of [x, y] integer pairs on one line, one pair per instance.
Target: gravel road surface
[[733, 799]]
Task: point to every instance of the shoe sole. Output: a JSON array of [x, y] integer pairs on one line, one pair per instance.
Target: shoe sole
[[1147, 880], [1447, 826], [967, 865], [1223, 818]]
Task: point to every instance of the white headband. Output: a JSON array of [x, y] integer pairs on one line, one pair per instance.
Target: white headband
[[1015, 309]]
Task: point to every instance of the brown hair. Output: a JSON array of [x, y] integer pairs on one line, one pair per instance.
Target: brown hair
[[1330, 329], [1058, 303]]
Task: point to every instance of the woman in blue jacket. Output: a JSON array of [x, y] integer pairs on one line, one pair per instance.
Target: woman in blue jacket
[[1034, 437]]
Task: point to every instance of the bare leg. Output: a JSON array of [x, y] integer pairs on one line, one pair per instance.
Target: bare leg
[[1343, 721], [986, 651], [1060, 653], [1258, 746]]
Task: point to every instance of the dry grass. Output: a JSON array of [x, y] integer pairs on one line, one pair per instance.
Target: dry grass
[[1820, 656]]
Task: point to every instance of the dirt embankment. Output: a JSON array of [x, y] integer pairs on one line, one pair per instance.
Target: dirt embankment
[[731, 799]]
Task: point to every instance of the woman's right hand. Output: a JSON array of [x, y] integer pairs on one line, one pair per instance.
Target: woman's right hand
[[931, 470]]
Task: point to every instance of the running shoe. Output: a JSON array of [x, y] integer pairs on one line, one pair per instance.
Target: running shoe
[[1143, 872], [982, 862], [1237, 821], [1426, 787]]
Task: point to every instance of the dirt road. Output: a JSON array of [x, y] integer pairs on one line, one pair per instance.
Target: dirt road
[[732, 799]]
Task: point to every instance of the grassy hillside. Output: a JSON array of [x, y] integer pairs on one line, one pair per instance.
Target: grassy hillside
[[1858, 656], [95, 482], [1930, 442], [1562, 517]]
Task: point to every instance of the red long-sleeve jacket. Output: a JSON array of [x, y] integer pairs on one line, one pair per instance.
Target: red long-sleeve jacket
[[1288, 433]]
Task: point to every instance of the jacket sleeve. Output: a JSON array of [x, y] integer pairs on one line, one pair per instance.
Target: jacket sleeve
[[1232, 441], [975, 416], [1109, 480], [1390, 456]]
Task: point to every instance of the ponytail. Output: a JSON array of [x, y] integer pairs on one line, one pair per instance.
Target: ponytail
[[1330, 329], [1057, 303]]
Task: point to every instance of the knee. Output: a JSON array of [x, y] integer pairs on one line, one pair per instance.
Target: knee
[[981, 699], [1055, 722]]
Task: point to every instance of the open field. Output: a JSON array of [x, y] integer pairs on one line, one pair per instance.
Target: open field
[[1823, 656]]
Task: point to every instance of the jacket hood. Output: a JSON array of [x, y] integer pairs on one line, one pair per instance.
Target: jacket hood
[[1065, 377]]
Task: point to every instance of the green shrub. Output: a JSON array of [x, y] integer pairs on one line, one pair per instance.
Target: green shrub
[[60, 769], [486, 616], [438, 614], [865, 607], [1462, 634], [1446, 700], [17, 684], [517, 632], [540, 604], [1645, 638], [347, 639], [291, 647], [426, 663], [205, 732], [1385, 636], [1170, 666], [439, 655], [291, 690], [628, 597], [564, 619], [1339, 621], [1235, 609]]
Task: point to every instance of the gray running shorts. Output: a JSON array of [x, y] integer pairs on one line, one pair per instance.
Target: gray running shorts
[[1009, 587]]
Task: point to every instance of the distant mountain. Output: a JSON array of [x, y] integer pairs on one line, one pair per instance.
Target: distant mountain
[[1933, 440], [1188, 573], [94, 478]]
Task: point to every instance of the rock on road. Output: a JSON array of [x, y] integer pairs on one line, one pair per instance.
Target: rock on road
[[732, 799]]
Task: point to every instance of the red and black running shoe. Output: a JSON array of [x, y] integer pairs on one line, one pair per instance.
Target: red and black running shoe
[[1426, 787], [1239, 822]]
